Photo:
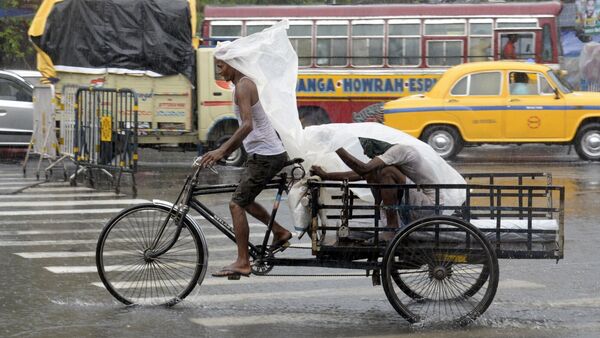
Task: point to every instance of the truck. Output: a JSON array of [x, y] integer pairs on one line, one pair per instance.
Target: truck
[[184, 103]]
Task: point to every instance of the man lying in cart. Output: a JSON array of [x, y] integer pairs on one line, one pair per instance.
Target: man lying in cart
[[392, 164]]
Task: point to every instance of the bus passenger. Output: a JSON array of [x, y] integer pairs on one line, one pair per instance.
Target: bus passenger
[[510, 50], [389, 164], [266, 157]]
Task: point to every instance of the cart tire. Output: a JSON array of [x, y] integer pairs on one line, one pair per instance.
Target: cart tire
[[473, 289], [130, 276], [440, 269]]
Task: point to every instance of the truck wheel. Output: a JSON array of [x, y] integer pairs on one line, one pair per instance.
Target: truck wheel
[[311, 116], [372, 113], [237, 157], [587, 142], [445, 140]]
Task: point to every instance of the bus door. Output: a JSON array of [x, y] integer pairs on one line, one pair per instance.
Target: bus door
[[532, 111]]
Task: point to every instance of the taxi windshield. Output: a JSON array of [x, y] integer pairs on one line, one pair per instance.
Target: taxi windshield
[[562, 85]]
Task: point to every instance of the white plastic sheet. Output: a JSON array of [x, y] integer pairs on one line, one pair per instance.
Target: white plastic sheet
[[269, 60]]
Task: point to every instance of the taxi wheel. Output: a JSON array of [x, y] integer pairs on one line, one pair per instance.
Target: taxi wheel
[[587, 142], [445, 140]]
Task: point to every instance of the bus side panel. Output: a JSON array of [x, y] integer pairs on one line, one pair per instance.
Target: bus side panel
[[342, 94]]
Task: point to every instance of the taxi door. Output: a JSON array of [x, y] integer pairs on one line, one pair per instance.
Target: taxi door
[[533, 112], [476, 101]]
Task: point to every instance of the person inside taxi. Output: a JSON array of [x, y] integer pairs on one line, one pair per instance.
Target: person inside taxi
[[520, 84]]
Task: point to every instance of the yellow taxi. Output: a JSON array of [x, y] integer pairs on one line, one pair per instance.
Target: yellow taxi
[[500, 102]]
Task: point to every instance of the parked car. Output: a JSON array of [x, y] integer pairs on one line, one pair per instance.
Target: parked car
[[32, 76], [16, 110], [500, 102]]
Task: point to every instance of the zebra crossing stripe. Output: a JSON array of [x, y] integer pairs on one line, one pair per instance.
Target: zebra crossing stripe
[[333, 292], [59, 212], [37, 197], [91, 241], [114, 268], [213, 281], [71, 203], [72, 254], [232, 321], [49, 189]]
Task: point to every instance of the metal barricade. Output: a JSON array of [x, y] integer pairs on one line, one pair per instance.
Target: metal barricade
[[105, 137]]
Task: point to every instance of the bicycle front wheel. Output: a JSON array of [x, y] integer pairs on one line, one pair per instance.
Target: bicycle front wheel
[[133, 277]]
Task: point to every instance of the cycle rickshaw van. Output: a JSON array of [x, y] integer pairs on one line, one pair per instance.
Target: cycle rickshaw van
[[442, 268]]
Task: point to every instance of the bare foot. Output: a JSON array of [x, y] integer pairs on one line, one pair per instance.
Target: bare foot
[[281, 237]]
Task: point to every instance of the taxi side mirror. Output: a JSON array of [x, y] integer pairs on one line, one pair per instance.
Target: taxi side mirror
[[556, 96]]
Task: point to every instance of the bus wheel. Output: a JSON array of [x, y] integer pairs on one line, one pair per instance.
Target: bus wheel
[[311, 116], [372, 113], [445, 140], [587, 142], [237, 157]]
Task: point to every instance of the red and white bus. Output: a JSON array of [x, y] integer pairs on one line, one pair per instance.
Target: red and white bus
[[352, 57]]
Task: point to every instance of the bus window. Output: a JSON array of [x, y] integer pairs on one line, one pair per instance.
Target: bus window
[[546, 43], [404, 43], [516, 23], [300, 34], [445, 27], [480, 40], [524, 46], [225, 30], [332, 43], [257, 26], [367, 43], [444, 53]]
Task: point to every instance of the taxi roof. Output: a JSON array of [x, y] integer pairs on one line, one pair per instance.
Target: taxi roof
[[452, 74]]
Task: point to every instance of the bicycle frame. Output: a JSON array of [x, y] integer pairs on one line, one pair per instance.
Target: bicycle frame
[[187, 200]]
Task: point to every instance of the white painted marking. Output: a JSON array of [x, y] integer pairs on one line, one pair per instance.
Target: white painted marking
[[71, 203], [114, 268], [213, 281], [54, 196], [90, 241], [334, 292], [48, 232], [36, 190], [92, 222], [71, 254], [59, 212], [576, 302], [3, 183], [233, 321], [519, 284]]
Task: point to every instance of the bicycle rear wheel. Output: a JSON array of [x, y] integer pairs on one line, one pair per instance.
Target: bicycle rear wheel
[[134, 278], [440, 269]]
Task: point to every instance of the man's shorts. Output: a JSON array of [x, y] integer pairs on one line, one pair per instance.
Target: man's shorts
[[258, 171]]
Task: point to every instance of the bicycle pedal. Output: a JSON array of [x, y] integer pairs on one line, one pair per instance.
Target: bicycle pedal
[[280, 248]]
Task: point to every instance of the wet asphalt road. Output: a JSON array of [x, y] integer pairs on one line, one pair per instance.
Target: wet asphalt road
[[49, 287]]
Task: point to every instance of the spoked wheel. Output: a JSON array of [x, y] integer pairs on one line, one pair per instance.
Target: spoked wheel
[[132, 275], [440, 269]]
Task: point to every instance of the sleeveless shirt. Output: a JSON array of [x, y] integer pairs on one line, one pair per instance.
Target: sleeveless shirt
[[262, 140]]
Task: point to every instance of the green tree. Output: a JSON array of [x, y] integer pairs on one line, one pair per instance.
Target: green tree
[[15, 49]]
